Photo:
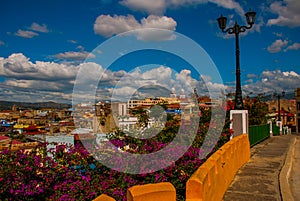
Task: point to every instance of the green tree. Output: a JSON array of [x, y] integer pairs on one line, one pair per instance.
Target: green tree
[[257, 110], [142, 115]]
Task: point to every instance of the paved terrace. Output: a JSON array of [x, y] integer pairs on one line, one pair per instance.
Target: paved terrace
[[272, 173]]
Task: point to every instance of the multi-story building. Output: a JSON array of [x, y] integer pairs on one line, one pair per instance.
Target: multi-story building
[[148, 102], [119, 109]]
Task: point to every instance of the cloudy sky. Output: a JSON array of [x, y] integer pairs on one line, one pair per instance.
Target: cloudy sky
[[45, 44]]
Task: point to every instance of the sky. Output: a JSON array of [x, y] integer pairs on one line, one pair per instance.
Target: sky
[[101, 47]]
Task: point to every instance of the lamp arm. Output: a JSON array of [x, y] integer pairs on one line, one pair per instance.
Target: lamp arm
[[244, 28], [239, 29], [228, 30]]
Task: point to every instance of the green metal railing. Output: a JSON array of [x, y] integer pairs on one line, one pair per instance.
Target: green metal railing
[[275, 130], [258, 133]]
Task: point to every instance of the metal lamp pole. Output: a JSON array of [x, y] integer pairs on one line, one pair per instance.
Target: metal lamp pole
[[278, 99], [237, 29]]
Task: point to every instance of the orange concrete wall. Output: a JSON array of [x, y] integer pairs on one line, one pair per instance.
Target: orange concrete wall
[[212, 178], [208, 183], [104, 197], [163, 191]]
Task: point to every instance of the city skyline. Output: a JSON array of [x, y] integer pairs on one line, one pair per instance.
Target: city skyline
[[43, 49]]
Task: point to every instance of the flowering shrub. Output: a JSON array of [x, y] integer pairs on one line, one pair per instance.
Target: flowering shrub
[[70, 172], [32, 175]]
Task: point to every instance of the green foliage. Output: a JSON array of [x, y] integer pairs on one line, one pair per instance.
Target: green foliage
[[142, 115], [257, 110]]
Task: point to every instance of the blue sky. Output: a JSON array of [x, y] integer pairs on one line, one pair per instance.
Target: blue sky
[[43, 45]]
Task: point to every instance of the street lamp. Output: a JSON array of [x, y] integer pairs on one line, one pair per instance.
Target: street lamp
[[278, 99], [237, 29]]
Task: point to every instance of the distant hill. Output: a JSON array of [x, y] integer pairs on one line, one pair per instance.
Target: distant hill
[[6, 105], [288, 96]]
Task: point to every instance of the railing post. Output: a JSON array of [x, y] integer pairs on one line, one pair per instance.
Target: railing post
[[271, 128], [279, 124], [239, 123]]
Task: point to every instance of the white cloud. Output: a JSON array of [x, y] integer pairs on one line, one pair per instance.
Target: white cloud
[[39, 28], [75, 56], [249, 81], [277, 46], [158, 7], [44, 81], [278, 34], [177, 3], [139, 78], [150, 28], [36, 84], [208, 88], [55, 81], [107, 26], [288, 13], [185, 80], [272, 81], [160, 74], [215, 89], [80, 47], [290, 74], [32, 32], [39, 81], [151, 7], [163, 22], [157, 81], [259, 22], [229, 4], [72, 41], [251, 75], [294, 46], [13, 93], [17, 66], [26, 34], [121, 93]]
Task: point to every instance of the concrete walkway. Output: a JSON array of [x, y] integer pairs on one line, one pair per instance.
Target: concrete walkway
[[294, 179], [259, 179]]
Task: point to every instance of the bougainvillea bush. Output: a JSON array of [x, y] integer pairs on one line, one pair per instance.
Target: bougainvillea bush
[[71, 173]]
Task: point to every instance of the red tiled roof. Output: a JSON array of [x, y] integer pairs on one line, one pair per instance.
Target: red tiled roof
[[2, 137], [5, 111], [16, 142], [34, 133]]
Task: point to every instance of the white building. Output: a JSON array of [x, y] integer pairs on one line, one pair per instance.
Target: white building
[[119, 108]]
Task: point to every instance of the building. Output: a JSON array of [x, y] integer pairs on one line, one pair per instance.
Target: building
[[287, 111], [119, 109], [14, 145], [297, 96], [149, 102]]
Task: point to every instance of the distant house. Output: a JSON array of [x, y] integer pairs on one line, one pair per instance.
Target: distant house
[[32, 130], [7, 143], [287, 111], [4, 139]]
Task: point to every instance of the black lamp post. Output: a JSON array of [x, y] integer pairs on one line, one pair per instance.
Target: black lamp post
[[237, 29], [278, 99]]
